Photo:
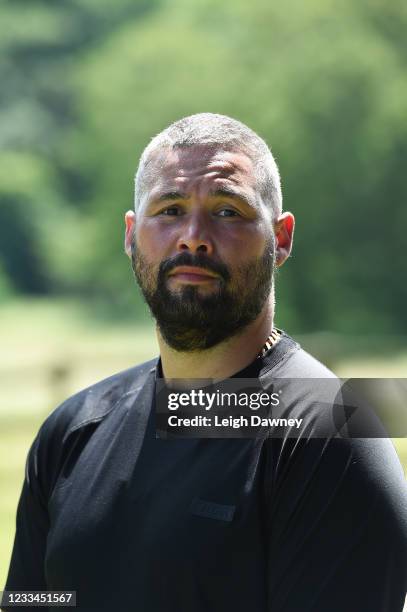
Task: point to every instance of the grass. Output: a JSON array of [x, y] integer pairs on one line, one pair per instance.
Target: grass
[[50, 350], [16, 436]]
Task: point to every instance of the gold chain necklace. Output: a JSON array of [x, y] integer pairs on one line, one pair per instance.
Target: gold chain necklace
[[272, 340]]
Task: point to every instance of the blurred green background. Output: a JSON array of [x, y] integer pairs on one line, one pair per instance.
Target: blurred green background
[[87, 83]]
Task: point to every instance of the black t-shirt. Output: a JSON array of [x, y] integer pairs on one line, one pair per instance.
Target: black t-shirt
[[135, 523]]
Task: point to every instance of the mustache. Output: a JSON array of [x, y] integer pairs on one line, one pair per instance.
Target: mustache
[[199, 261]]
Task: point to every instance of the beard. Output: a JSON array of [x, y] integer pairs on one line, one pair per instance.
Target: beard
[[191, 321]]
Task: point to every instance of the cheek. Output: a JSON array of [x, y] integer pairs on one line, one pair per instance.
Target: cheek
[[151, 240], [242, 244]]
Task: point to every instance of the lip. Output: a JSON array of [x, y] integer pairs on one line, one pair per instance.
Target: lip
[[192, 274]]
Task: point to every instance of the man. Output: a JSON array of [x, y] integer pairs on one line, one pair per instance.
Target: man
[[132, 522]]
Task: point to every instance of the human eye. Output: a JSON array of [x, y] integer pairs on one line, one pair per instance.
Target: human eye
[[170, 211], [227, 212]]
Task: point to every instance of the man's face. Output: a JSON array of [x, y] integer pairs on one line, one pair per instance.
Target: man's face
[[202, 246]]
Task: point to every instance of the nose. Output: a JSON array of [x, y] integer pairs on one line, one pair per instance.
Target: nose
[[195, 235]]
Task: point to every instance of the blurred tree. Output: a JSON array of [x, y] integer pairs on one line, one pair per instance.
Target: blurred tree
[[90, 82], [19, 256]]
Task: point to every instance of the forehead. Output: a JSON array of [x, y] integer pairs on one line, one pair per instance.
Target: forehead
[[189, 165]]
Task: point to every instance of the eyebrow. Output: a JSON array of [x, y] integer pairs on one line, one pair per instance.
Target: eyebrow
[[234, 194], [215, 193], [171, 195]]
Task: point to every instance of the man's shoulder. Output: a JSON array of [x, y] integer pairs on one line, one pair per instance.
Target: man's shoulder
[[94, 403], [302, 364], [290, 360]]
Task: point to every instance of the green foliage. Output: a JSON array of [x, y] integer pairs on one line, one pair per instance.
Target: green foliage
[[90, 82]]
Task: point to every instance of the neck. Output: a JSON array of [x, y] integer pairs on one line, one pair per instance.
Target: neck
[[222, 360]]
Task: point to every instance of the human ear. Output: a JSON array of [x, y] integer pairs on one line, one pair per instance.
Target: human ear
[[284, 232], [130, 221]]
